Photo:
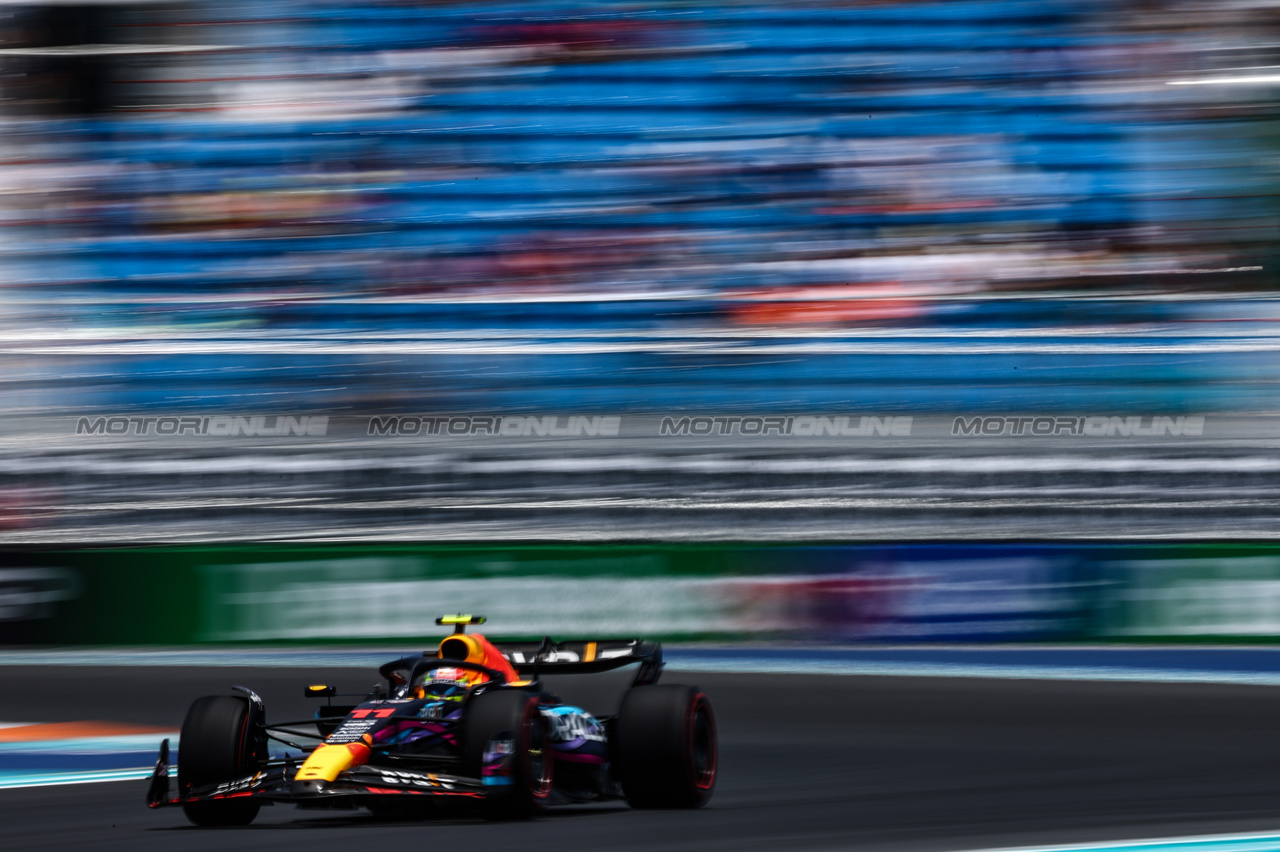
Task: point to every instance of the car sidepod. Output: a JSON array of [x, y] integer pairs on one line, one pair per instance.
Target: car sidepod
[[579, 747]]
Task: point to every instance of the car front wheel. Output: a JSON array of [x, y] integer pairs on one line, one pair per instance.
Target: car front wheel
[[218, 744]]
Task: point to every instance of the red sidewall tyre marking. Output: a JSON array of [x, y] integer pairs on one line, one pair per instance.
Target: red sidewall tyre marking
[[704, 778]]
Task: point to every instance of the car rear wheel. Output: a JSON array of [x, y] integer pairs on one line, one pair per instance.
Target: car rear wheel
[[666, 752], [218, 744], [506, 745]]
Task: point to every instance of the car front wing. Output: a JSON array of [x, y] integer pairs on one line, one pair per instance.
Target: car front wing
[[275, 783]]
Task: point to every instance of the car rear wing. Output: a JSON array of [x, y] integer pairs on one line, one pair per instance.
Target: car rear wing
[[585, 656]]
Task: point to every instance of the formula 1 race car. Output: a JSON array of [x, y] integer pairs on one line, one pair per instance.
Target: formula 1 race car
[[466, 721]]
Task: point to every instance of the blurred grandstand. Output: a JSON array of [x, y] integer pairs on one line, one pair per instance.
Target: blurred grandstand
[[554, 207]]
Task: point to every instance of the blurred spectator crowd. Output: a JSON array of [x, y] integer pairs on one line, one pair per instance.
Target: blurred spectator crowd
[[344, 164], [598, 206]]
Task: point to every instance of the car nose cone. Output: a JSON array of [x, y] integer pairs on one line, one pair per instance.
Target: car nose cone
[[310, 787]]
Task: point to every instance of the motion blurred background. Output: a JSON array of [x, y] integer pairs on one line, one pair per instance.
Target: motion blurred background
[[741, 272]]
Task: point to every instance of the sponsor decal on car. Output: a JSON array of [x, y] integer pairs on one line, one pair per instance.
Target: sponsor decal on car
[[572, 723], [241, 785], [417, 779], [351, 731], [366, 712]]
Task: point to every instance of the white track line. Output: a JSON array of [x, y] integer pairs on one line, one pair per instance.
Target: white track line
[[1258, 842], [60, 779]]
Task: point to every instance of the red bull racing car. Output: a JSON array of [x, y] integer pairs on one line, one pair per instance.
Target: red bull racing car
[[465, 721]]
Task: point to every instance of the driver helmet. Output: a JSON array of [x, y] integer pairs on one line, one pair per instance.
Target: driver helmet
[[447, 678]]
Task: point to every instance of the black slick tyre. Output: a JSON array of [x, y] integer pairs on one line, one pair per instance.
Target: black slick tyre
[[665, 753], [510, 718], [218, 744]]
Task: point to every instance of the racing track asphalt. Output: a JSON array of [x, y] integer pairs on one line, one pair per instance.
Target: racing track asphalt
[[807, 762]]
